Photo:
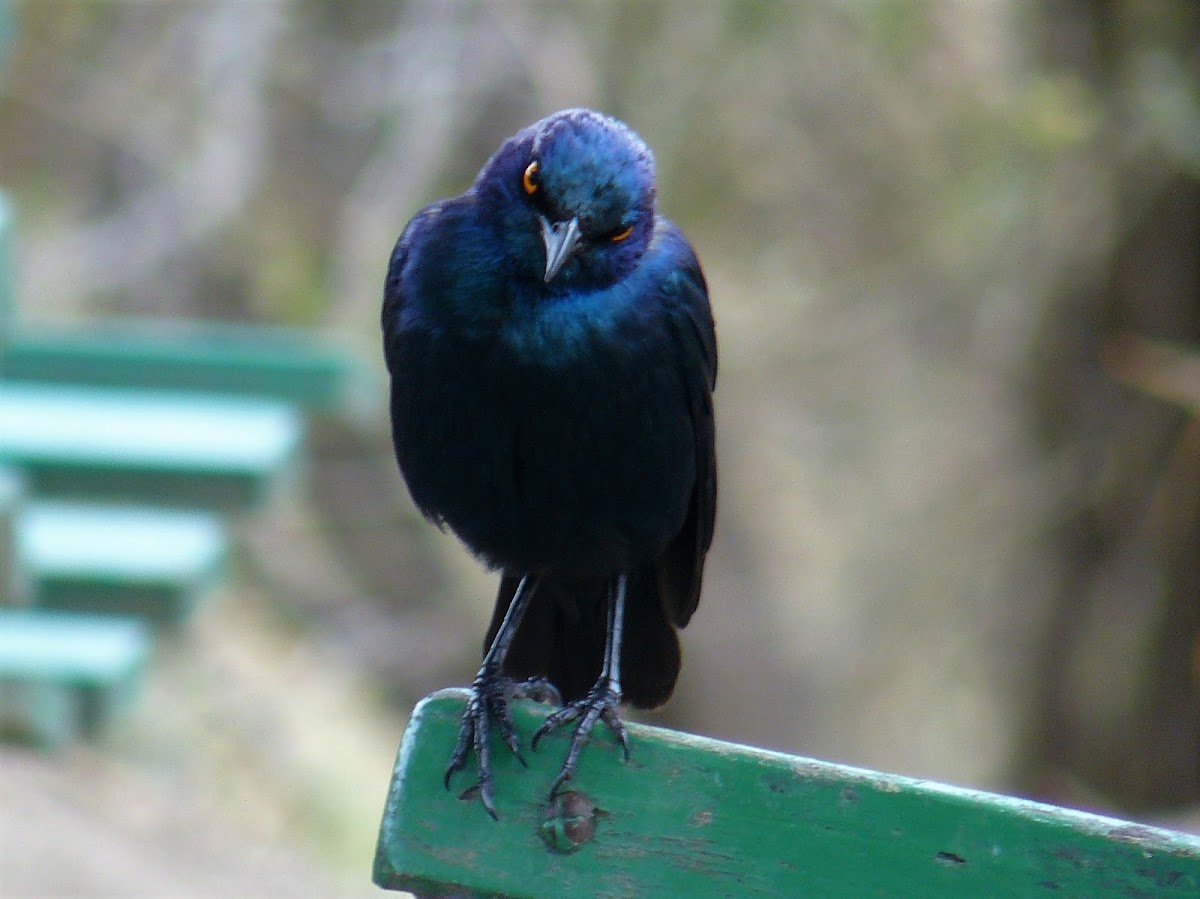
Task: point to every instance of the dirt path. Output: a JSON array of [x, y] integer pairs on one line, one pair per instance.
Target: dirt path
[[83, 825]]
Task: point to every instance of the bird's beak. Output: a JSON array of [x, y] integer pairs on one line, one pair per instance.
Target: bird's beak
[[561, 239]]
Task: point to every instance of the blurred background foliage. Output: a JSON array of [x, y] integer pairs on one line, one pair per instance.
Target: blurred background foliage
[[954, 254]]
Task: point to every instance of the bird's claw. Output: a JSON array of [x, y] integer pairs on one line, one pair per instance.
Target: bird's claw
[[488, 703], [601, 704]]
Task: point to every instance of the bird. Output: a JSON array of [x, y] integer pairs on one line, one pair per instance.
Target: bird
[[552, 356]]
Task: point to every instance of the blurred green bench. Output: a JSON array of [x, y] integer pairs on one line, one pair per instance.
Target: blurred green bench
[[238, 360], [153, 563], [185, 450], [14, 584], [63, 676], [689, 816], [172, 415]]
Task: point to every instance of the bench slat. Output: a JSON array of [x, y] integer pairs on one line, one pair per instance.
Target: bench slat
[[689, 816], [63, 676], [14, 586], [165, 448], [74, 649], [239, 360], [123, 560]]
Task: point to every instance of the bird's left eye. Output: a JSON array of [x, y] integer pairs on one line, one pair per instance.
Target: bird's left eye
[[530, 180], [621, 235]]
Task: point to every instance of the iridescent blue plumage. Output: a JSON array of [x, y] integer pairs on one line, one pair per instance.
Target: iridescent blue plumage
[[552, 357]]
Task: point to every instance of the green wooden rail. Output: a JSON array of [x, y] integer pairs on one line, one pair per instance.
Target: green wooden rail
[[234, 359], [64, 675], [188, 450], [156, 564], [14, 588], [688, 816]]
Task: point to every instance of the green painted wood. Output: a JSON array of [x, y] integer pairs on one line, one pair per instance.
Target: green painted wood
[[64, 675], [689, 816], [173, 449], [153, 563], [241, 360], [14, 583]]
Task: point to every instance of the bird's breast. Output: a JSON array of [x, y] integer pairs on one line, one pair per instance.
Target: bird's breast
[[558, 445]]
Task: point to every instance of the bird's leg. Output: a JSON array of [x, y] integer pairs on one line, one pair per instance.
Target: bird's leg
[[491, 692], [604, 699]]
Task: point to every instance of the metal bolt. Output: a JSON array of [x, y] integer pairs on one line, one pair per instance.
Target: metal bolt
[[570, 822]]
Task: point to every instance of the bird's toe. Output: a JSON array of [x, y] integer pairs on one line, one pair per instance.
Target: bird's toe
[[601, 704]]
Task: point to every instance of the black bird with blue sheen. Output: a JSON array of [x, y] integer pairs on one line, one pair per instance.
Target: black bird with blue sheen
[[552, 359]]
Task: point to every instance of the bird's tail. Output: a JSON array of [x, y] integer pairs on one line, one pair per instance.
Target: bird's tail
[[562, 637]]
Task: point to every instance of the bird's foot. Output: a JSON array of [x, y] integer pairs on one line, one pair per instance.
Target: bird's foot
[[491, 693], [601, 703]]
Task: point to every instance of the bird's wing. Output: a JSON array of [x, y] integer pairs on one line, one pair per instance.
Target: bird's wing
[[393, 292], [680, 568], [395, 300]]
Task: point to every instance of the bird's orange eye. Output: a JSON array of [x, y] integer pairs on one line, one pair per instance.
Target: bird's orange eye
[[530, 180], [621, 235]]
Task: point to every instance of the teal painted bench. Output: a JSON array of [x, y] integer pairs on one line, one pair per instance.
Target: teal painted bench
[[153, 563], [239, 360], [14, 586], [64, 676], [174, 449], [688, 816]]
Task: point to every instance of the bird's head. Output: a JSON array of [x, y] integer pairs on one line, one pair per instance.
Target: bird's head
[[573, 198]]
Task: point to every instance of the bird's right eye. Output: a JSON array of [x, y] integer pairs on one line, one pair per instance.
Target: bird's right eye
[[530, 180]]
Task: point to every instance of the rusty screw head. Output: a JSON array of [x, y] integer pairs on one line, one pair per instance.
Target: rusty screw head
[[570, 822]]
